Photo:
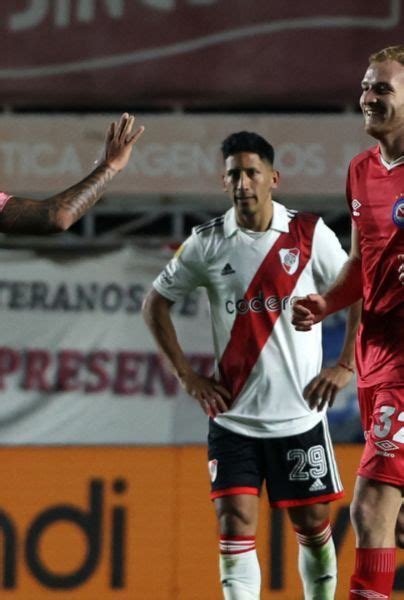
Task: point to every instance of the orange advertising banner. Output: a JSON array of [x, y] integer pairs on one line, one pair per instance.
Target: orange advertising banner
[[136, 523]]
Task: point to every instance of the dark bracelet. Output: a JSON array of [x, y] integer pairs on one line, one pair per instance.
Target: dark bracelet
[[347, 367]]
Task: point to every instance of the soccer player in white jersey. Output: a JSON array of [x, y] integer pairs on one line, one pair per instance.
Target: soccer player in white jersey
[[253, 260]]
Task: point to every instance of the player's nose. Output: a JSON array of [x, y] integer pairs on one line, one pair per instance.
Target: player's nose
[[368, 97], [242, 181]]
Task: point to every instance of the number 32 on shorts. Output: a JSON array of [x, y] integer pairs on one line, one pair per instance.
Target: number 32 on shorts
[[384, 421]]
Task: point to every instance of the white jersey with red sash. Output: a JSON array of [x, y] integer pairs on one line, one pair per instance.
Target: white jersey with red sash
[[251, 279]]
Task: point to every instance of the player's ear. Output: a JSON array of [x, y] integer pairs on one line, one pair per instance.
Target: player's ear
[[276, 177], [225, 187]]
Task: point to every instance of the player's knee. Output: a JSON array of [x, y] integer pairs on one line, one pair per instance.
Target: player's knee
[[362, 516], [236, 521], [309, 518]]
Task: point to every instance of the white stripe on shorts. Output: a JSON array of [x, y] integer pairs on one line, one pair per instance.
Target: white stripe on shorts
[[334, 474]]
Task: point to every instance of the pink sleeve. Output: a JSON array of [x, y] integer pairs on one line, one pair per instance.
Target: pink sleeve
[[4, 198]]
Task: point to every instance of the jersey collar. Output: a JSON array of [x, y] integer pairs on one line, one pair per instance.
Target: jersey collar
[[394, 163], [280, 221]]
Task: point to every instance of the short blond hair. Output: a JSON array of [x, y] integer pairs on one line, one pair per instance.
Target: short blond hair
[[391, 53]]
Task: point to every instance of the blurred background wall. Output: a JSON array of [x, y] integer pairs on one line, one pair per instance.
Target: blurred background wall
[[105, 486]]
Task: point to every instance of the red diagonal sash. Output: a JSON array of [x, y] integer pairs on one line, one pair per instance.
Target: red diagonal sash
[[251, 330]]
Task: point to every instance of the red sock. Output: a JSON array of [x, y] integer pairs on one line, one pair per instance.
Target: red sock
[[374, 573]]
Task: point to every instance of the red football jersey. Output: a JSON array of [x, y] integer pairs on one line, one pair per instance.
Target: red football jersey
[[375, 195]]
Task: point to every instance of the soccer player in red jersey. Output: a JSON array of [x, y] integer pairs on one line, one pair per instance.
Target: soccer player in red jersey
[[57, 213], [375, 272]]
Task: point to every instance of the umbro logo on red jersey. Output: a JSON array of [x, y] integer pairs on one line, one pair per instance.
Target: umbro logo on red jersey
[[227, 269], [355, 207]]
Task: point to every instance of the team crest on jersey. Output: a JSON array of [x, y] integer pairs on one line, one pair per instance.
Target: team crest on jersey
[[212, 466], [289, 259], [398, 212]]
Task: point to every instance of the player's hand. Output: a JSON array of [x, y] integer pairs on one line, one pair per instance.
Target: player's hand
[[401, 268], [120, 140], [322, 389], [210, 394], [307, 311]]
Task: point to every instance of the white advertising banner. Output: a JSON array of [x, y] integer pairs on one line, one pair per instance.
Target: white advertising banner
[[77, 364]]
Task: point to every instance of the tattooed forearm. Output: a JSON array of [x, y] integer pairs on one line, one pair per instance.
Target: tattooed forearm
[[59, 212], [76, 200]]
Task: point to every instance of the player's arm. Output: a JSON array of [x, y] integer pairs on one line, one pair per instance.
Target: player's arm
[[57, 213], [346, 290], [322, 390], [210, 394]]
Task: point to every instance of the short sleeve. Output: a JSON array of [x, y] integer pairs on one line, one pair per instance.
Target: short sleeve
[[183, 273], [328, 255]]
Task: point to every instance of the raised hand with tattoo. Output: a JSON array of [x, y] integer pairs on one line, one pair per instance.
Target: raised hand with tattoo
[[57, 213]]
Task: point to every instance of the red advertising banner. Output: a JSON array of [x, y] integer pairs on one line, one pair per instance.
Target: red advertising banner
[[98, 52]]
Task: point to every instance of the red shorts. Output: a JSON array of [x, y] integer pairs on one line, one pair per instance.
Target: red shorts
[[382, 414]]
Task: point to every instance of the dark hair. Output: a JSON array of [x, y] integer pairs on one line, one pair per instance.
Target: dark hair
[[246, 141], [391, 53]]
